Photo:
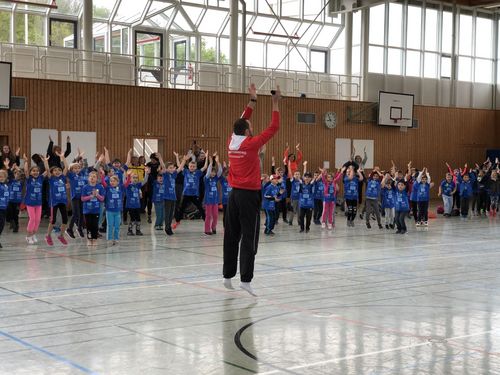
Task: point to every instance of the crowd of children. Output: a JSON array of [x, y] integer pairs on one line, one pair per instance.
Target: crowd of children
[[105, 194], [391, 194]]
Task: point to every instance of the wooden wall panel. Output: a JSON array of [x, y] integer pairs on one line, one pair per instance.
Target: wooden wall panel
[[120, 113]]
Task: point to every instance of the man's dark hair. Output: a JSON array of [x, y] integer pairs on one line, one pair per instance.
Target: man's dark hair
[[240, 126]]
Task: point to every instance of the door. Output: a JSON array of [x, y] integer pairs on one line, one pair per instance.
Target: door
[[149, 62]]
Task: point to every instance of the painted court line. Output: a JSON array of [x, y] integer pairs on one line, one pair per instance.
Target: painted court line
[[262, 275], [51, 355], [354, 356]]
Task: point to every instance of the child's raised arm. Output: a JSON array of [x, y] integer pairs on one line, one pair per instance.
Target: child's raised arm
[[46, 164], [206, 162], [147, 172], [26, 165], [219, 168], [129, 158], [106, 156], [305, 167]]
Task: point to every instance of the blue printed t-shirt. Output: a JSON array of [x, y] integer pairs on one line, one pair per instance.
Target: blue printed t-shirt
[[57, 190], [16, 191], [33, 194], [270, 191], [211, 191], [169, 183], [351, 188], [388, 197], [158, 191], [114, 198], [414, 191], [119, 172], [330, 195], [226, 189], [92, 206], [306, 197], [4, 196], [133, 193], [318, 189], [294, 195], [402, 203], [465, 189], [423, 192], [191, 183], [447, 187], [372, 189], [76, 182]]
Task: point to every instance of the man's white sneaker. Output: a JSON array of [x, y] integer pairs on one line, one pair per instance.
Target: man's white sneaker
[[248, 288], [228, 284]]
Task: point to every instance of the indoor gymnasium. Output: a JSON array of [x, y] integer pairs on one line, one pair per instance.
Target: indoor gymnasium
[[249, 187]]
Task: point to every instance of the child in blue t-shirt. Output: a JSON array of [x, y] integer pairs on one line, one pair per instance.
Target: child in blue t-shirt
[[191, 189], [114, 192], [170, 197], [16, 197], [372, 197], [388, 200], [133, 200], [465, 191], [351, 195], [58, 198], [402, 207], [158, 199], [77, 180], [92, 194], [296, 182], [211, 200], [447, 189], [423, 186], [272, 194], [33, 199], [306, 202], [318, 192]]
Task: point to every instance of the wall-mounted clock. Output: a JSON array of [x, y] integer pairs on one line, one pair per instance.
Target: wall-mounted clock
[[330, 120]]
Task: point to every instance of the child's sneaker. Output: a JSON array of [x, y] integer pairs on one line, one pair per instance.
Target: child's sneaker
[[380, 226], [49, 241], [70, 233], [30, 240], [425, 223], [323, 225], [417, 224], [80, 232], [138, 232], [130, 232], [214, 231], [368, 225], [175, 225], [386, 226], [35, 240], [62, 239], [208, 233], [149, 219], [330, 226]]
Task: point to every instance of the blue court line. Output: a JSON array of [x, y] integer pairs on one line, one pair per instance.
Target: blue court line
[[48, 354]]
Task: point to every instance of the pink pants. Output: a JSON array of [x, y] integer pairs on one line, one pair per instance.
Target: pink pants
[[328, 213], [35, 216], [211, 216]]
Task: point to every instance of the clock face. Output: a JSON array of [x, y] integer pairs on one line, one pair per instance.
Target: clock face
[[330, 120]]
